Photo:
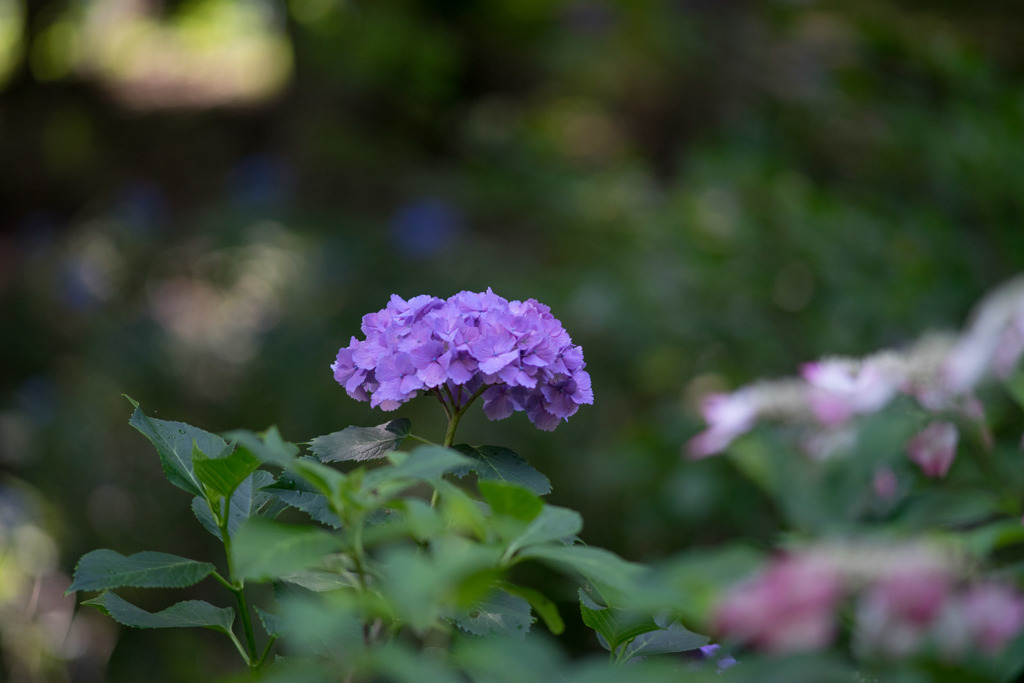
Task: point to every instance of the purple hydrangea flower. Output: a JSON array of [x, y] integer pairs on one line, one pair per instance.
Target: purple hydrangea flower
[[515, 354]]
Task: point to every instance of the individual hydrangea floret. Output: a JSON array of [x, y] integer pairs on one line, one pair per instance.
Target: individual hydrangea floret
[[514, 354], [934, 448]]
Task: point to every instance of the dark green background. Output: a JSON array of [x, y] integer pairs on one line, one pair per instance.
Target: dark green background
[[703, 192]]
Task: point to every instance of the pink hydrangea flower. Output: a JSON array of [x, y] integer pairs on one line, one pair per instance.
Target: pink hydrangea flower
[[934, 448], [790, 607], [993, 614], [729, 416], [842, 388], [896, 614]]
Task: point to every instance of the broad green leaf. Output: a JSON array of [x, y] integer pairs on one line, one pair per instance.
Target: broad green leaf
[[187, 614], [692, 583], [263, 549], [422, 587], [324, 479], [267, 447], [615, 626], [399, 664], [315, 505], [500, 613], [271, 448], [425, 463], [511, 501], [519, 660], [249, 499], [361, 443], [1015, 387], [102, 569], [223, 474], [463, 513], [597, 564], [668, 638], [982, 541], [545, 608], [272, 623], [494, 463], [552, 524], [323, 627], [174, 442], [321, 581], [422, 521]]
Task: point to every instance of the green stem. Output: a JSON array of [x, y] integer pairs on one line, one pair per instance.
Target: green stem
[[266, 651], [237, 588], [453, 422], [358, 553], [250, 637], [440, 398]]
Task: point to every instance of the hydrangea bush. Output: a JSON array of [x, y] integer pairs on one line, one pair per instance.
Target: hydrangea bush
[[899, 559]]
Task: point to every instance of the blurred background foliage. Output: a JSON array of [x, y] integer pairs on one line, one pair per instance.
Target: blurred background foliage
[[199, 199]]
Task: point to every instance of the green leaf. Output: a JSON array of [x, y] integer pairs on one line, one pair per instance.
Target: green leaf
[[315, 505], [463, 513], [423, 587], [264, 550], [692, 583], [494, 463], [223, 474], [249, 499], [669, 638], [553, 524], [267, 447], [425, 463], [361, 443], [500, 612], [102, 569], [984, 540], [187, 614], [615, 626], [174, 442], [272, 623], [545, 608], [596, 564], [510, 500], [1015, 387]]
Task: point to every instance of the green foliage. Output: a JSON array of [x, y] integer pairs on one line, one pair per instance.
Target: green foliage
[[265, 550], [175, 443], [103, 569], [222, 474], [499, 613], [187, 614], [494, 463], [249, 499], [361, 443]]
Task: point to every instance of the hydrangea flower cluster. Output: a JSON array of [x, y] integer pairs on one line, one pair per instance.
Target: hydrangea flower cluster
[[910, 599], [939, 373], [514, 354]]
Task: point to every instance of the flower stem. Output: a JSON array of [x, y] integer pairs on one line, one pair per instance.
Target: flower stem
[[237, 587], [453, 421]]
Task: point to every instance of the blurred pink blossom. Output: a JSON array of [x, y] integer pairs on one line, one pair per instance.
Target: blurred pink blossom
[[884, 483], [896, 614], [728, 416], [842, 388], [994, 614], [789, 607], [934, 448], [993, 343]]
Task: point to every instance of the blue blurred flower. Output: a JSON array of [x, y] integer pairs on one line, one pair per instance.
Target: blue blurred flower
[[425, 228]]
